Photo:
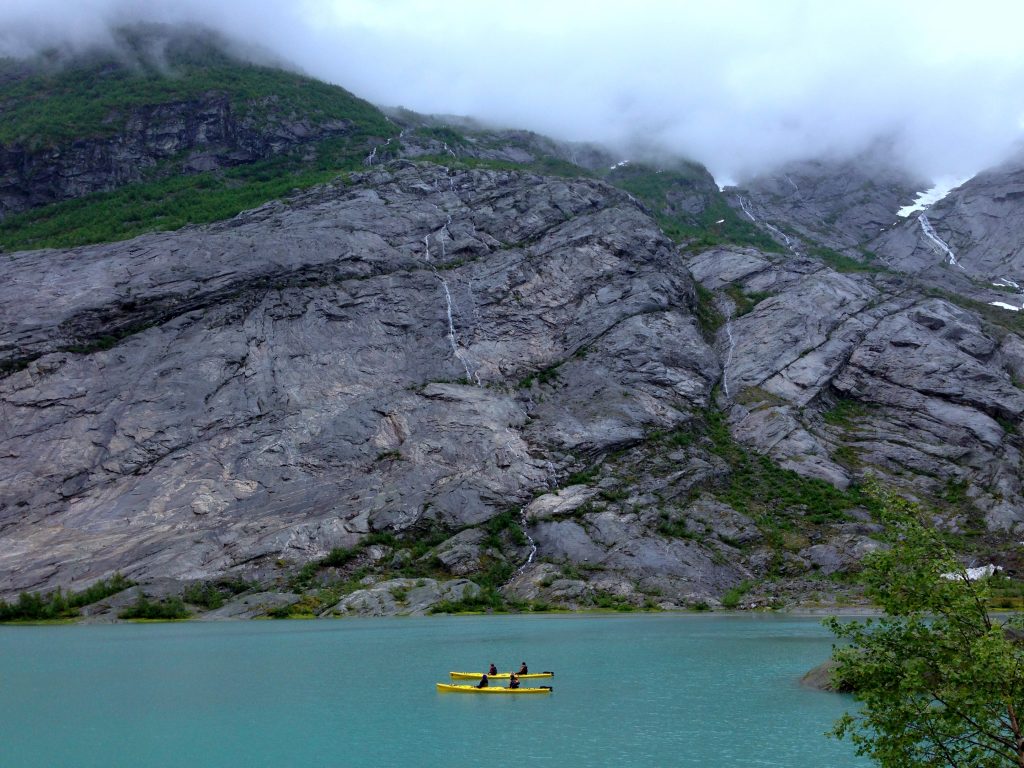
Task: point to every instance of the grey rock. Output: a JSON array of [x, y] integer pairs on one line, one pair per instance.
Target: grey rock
[[250, 606], [403, 597]]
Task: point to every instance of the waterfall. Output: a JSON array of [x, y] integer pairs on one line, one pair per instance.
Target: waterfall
[[533, 545], [746, 210], [785, 238], [453, 339], [942, 245], [728, 355], [449, 150], [370, 157]]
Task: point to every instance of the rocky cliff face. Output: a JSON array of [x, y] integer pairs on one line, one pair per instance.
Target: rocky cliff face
[[170, 138], [441, 380], [430, 355], [347, 361]]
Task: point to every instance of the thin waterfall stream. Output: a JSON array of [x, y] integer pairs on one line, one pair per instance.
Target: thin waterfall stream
[[453, 338], [942, 245]]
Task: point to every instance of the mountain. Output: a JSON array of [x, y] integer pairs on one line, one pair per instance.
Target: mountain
[[438, 365]]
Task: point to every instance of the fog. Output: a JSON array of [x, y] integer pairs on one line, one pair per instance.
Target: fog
[[739, 85]]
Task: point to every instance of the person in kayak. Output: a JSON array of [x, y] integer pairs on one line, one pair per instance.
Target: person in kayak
[[513, 680], [483, 682], [493, 670], [523, 670]]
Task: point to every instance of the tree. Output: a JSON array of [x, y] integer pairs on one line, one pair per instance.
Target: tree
[[940, 682]]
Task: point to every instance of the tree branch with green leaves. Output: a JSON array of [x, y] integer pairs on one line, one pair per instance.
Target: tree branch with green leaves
[[939, 682]]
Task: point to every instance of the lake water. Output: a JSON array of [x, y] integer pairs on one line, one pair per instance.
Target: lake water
[[647, 690]]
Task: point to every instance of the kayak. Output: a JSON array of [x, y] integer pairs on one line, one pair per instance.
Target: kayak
[[499, 676], [446, 688]]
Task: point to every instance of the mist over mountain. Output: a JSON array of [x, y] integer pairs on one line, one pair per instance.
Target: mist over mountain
[[741, 87]]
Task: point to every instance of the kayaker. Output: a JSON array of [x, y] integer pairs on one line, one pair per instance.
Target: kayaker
[[523, 670], [513, 680], [483, 682], [493, 670]]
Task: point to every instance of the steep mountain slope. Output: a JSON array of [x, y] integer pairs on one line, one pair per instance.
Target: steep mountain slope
[[477, 366], [840, 204]]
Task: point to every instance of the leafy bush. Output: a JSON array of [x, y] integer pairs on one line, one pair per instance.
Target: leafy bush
[[160, 610], [731, 599], [59, 605]]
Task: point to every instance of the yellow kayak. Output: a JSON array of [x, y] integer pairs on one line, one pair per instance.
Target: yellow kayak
[[499, 676], [446, 688]]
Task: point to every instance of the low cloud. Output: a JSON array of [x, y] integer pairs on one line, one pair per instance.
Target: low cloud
[[741, 86]]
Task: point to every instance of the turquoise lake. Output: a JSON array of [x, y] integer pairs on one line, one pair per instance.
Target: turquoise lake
[[648, 690]]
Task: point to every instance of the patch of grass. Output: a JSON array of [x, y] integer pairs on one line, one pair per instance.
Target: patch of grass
[[846, 413], [45, 106], [758, 396], [842, 263], [585, 476], [759, 488], [506, 522], [708, 317], [745, 302], [549, 375], [38, 606], [672, 194]]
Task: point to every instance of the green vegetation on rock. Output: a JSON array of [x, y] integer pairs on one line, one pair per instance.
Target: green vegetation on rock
[[36, 606], [673, 194], [47, 104], [170, 609]]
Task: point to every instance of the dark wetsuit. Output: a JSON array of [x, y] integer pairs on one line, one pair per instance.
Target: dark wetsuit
[[523, 670], [493, 670], [483, 682], [513, 681]]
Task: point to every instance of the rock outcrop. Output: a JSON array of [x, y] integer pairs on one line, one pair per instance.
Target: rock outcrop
[[171, 138]]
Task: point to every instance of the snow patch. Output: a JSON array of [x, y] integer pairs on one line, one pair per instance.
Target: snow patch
[[1004, 305], [618, 165], [931, 196], [973, 574]]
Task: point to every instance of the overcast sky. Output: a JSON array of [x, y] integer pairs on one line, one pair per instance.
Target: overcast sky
[[740, 85]]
